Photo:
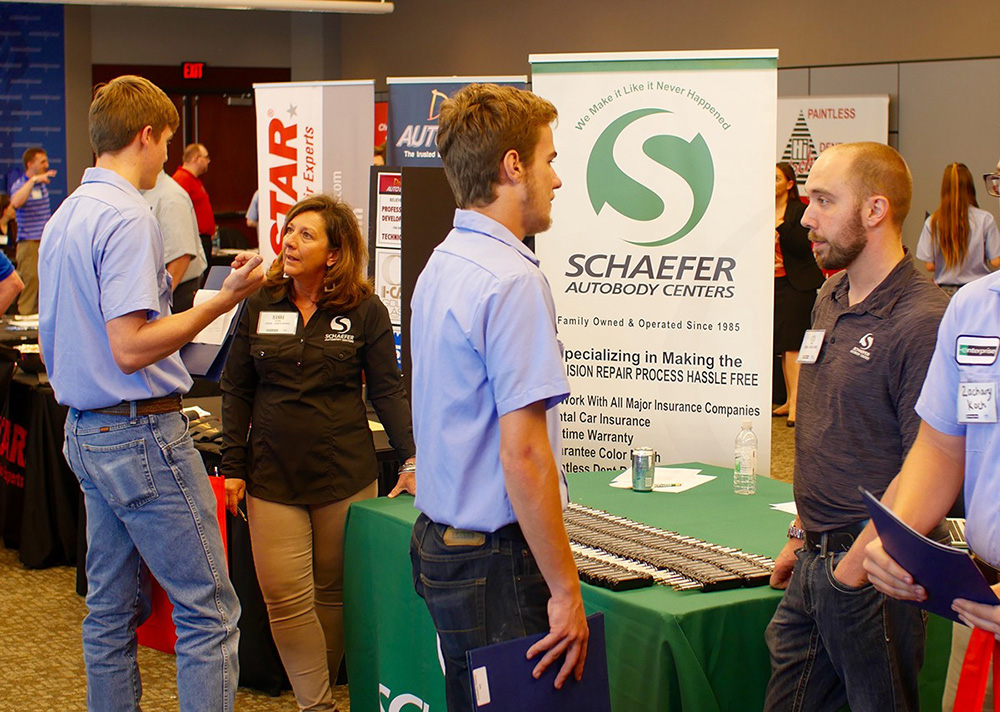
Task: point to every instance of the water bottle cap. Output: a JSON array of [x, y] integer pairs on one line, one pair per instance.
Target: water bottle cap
[[747, 424]]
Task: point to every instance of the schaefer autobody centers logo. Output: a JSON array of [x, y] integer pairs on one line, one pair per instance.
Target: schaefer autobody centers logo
[[650, 181], [340, 327]]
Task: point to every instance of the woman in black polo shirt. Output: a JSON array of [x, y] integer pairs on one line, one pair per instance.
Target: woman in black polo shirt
[[296, 431]]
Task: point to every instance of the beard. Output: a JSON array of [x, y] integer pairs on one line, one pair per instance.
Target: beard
[[852, 238], [537, 209]]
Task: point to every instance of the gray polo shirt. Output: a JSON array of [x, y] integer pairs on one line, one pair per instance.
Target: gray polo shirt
[[855, 416]]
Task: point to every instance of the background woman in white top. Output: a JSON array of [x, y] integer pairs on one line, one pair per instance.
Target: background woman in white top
[[959, 243]]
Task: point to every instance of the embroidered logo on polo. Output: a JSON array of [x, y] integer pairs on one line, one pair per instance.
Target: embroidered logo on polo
[[977, 350], [863, 349], [340, 326]]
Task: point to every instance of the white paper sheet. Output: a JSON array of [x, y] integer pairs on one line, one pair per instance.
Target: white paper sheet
[[194, 412], [666, 479], [788, 507], [214, 333]]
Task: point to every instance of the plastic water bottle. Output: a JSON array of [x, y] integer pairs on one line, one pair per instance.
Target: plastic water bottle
[[745, 466]]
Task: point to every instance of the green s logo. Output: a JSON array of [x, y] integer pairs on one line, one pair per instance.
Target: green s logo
[[608, 184]]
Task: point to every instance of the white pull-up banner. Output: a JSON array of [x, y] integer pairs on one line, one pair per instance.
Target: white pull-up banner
[[312, 137], [661, 252]]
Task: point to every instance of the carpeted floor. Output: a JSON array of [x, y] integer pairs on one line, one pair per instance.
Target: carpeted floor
[[41, 664]]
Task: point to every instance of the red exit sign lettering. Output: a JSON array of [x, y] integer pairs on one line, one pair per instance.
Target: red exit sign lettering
[[193, 70]]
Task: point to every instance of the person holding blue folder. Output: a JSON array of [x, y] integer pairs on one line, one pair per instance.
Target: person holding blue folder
[[958, 443], [833, 638], [490, 553]]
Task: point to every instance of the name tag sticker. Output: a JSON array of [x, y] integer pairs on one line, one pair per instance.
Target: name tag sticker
[[812, 343], [977, 350], [977, 402], [278, 323], [481, 686], [36, 194]]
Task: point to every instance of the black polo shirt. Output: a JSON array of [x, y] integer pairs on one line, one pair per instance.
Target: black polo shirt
[[855, 414], [294, 424]]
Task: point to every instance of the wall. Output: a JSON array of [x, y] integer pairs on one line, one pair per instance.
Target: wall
[[939, 112], [79, 155], [436, 37], [308, 43]]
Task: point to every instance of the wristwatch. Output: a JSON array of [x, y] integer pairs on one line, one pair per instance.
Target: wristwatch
[[794, 532]]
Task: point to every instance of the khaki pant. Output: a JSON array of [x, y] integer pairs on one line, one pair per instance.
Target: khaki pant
[[960, 635], [27, 268], [298, 551]]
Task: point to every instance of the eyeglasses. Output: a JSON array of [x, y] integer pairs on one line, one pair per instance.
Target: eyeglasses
[[992, 181]]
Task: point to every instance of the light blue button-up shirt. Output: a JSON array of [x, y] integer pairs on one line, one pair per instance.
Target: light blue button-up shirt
[[101, 258], [974, 311], [484, 344]]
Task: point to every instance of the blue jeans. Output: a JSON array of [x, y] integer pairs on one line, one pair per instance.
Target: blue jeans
[[149, 503], [832, 644], [477, 594]]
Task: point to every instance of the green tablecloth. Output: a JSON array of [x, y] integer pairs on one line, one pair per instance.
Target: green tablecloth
[[667, 650]]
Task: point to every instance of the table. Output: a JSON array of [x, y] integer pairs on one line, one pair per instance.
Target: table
[[39, 495], [667, 650]]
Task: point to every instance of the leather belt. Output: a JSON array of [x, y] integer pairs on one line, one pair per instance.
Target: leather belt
[[511, 532], [150, 406], [834, 540]]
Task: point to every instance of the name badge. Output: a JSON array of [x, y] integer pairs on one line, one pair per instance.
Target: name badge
[[36, 194], [283, 323], [977, 403], [812, 343], [976, 350]]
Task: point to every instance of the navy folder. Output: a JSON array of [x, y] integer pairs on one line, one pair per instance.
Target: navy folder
[[208, 360], [501, 677], [945, 573]]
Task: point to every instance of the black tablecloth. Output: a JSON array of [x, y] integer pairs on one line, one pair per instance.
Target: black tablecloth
[[39, 495]]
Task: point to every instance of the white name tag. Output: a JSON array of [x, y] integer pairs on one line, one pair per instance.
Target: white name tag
[[977, 350], [977, 403], [278, 323], [812, 343], [36, 194], [481, 686]]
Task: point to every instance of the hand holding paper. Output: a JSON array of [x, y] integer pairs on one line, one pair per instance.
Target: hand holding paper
[[889, 577], [979, 615]]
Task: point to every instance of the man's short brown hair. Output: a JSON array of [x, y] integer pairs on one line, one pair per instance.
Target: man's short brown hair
[[192, 151], [878, 169], [123, 107], [30, 154], [477, 127]]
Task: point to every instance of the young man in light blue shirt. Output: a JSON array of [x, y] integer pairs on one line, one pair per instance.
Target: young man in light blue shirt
[[487, 377], [29, 195], [958, 444], [110, 345]]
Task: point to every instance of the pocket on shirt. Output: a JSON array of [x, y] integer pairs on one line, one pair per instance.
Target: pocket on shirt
[[342, 364], [273, 358], [979, 437]]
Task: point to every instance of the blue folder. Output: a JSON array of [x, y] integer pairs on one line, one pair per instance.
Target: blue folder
[[945, 573], [208, 360], [502, 682]]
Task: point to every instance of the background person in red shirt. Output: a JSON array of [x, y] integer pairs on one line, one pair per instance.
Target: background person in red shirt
[[188, 174]]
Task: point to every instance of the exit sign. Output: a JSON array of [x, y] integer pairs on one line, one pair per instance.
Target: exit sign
[[193, 70]]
